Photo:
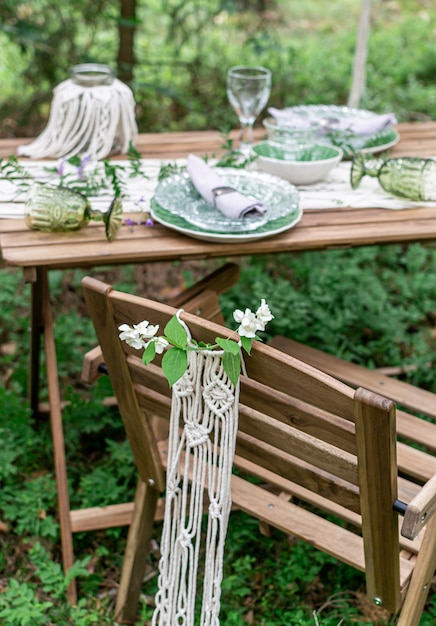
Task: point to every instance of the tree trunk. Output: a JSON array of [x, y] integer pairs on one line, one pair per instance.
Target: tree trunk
[[358, 84], [126, 31]]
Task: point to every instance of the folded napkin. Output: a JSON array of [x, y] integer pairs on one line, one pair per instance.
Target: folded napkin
[[215, 190], [354, 124]]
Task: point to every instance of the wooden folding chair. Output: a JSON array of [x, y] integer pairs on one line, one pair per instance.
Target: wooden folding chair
[[301, 432]]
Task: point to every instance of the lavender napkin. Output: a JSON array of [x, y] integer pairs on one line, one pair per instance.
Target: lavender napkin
[[215, 190], [354, 124]]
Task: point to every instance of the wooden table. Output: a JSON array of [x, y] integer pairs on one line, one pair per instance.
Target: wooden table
[[317, 230], [37, 253]]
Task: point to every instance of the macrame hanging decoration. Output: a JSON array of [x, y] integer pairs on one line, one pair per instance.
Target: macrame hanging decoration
[[203, 427], [92, 113]]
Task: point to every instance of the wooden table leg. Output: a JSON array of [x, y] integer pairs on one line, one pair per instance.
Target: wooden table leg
[[57, 435], [35, 342]]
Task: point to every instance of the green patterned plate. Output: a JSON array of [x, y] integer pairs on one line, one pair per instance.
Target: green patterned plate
[[177, 194], [178, 223], [348, 142]]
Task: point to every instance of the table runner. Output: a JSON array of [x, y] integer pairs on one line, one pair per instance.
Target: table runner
[[332, 193], [139, 189]]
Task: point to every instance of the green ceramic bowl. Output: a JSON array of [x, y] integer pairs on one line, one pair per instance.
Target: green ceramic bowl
[[300, 166]]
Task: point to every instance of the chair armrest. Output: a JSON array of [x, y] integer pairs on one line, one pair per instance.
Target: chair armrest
[[420, 510], [90, 367]]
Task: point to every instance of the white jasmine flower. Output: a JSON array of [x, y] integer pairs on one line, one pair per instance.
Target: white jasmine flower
[[145, 329], [263, 313], [238, 315], [131, 336], [160, 343], [248, 323]]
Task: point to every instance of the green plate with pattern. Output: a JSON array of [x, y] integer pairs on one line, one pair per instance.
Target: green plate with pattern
[[180, 224], [177, 194], [348, 142]]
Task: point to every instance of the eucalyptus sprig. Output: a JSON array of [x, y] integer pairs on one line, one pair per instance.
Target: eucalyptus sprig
[[342, 139], [135, 160], [78, 173], [168, 169], [13, 171], [231, 157], [176, 342]]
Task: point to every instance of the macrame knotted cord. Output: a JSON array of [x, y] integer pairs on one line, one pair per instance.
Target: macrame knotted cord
[[95, 121], [202, 437]]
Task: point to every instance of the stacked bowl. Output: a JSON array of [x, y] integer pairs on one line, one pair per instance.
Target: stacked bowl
[[295, 153]]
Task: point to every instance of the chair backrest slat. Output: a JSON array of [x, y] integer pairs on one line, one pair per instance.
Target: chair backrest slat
[[299, 444], [300, 414], [297, 471], [284, 373]]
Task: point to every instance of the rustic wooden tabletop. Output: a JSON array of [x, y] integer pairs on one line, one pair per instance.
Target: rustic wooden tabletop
[[318, 229]]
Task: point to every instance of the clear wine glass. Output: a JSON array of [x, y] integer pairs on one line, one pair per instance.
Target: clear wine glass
[[248, 90]]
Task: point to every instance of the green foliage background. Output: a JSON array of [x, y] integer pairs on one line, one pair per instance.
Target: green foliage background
[[183, 48]]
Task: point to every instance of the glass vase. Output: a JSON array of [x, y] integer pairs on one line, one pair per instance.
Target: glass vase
[[92, 74]]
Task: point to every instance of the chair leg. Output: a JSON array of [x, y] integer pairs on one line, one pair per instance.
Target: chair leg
[[60, 462], [138, 541], [421, 578]]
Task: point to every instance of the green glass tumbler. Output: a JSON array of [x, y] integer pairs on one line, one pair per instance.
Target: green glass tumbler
[[59, 210], [406, 177]]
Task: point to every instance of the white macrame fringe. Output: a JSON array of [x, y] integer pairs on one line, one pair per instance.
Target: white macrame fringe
[[203, 427], [95, 121]]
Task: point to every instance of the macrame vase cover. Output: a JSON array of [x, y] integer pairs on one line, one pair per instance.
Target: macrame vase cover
[[90, 120], [203, 427]]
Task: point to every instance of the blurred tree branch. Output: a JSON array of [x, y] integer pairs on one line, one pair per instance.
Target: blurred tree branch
[[126, 48]]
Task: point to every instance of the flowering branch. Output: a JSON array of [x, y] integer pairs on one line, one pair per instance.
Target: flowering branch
[[176, 342]]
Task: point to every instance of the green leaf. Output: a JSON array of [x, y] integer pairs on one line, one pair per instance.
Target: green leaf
[[74, 160], [149, 353], [246, 344], [232, 366], [175, 333], [228, 345], [174, 364]]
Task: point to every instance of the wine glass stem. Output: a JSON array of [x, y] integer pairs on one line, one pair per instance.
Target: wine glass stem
[[246, 137]]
